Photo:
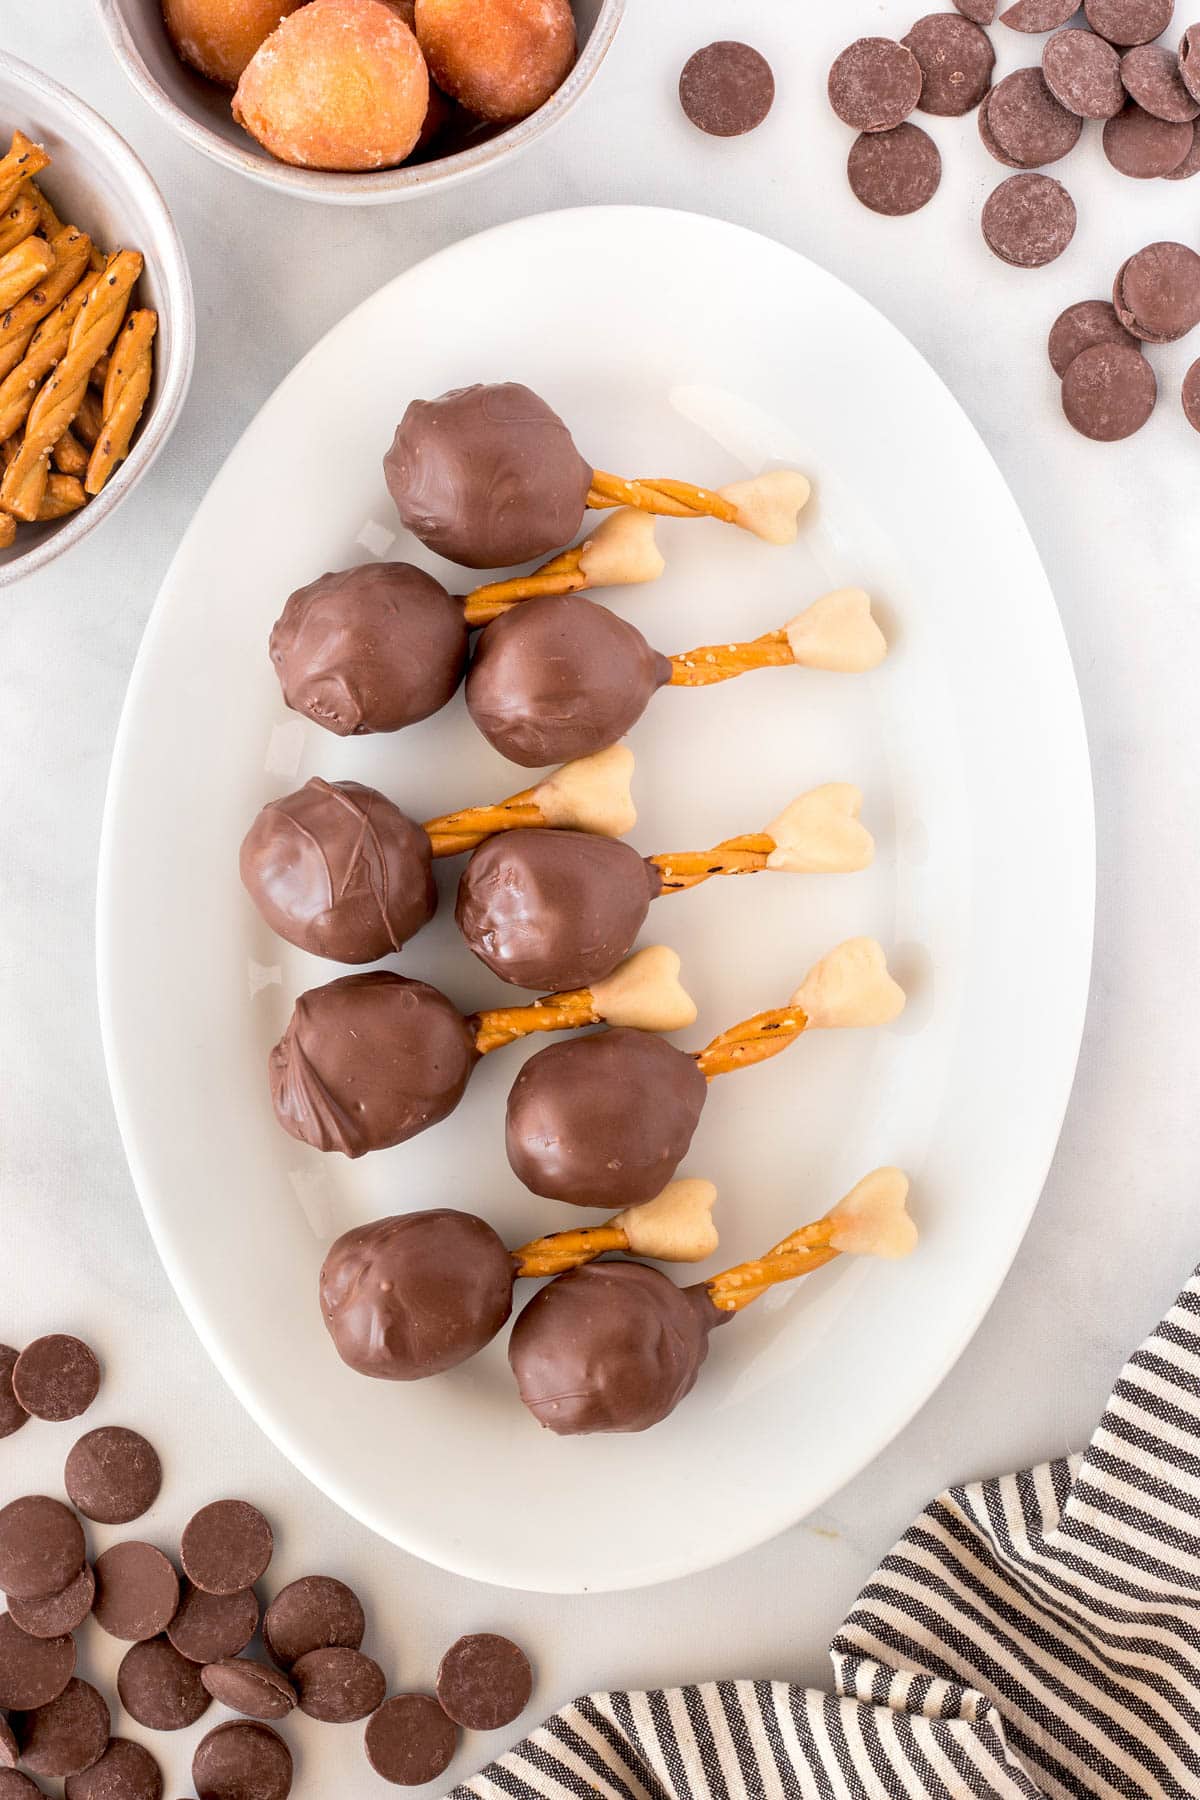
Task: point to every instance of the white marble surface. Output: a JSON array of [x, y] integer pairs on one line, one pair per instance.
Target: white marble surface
[[1116, 1229]]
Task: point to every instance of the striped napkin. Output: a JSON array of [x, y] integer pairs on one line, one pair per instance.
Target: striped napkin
[[1030, 1637]]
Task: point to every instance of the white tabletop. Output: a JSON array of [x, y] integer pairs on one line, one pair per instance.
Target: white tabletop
[[1115, 1232]]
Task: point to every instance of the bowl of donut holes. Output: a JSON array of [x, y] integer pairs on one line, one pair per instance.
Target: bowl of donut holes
[[361, 101]]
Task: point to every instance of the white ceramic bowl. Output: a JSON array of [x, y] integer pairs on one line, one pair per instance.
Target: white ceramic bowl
[[200, 111], [97, 182]]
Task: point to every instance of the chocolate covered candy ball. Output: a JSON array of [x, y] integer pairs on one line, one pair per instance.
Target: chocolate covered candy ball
[[610, 1347], [487, 476], [370, 649], [408, 1297], [603, 1120], [339, 871], [554, 909], [560, 677], [369, 1061]]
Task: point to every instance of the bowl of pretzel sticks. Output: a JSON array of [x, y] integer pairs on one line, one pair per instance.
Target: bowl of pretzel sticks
[[96, 320]]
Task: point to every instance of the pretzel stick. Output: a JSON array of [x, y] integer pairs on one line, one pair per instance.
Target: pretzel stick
[[871, 1220], [836, 632], [673, 499], [22, 269], [850, 986], [51, 224], [97, 324], [769, 505], [504, 1025], [591, 794], [99, 374], [24, 158], [818, 834], [89, 418], [69, 455], [64, 494], [18, 220], [8, 531], [643, 992], [621, 552], [676, 1226], [455, 833], [18, 324], [125, 389], [685, 869], [47, 345]]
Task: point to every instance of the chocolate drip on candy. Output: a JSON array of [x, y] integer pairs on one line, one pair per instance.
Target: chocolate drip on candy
[[617, 1346]]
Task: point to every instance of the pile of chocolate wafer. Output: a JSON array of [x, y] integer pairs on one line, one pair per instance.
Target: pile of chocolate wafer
[[188, 1635]]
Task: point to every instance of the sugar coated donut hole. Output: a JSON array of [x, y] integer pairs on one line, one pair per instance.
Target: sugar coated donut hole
[[218, 37], [341, 84], [501, 59]]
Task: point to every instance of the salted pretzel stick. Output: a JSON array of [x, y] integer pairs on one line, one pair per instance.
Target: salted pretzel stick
[[125, 389], [591, 794], [769, 506], [18, 325], [849, 987], [22, 269], [872, 1220], [23, 159], [643, 992], [69, 455], [51, 224], [676, 1226], [95, 327], [818, 834], [621, 552], [19, 219], [64, 494], [46, 346], [837, 632], [88, 419]]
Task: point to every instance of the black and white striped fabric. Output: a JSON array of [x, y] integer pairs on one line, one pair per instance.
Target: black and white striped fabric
[[1029, 1638]]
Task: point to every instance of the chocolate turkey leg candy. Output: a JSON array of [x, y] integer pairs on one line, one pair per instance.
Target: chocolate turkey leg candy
[[563, 677], [489, 475], [617, 1346], [606, 1121], [341, 872], [371, 1060], [408, 1297], [549, 909]]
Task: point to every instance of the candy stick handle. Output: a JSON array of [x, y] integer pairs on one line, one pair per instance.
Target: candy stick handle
[[621, 552], [736, 856], [567, 1250], [591, 794], [871, 1220], [453, 834], [676, 1226], [672, 499], [504, 1025], [751, 1041]]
